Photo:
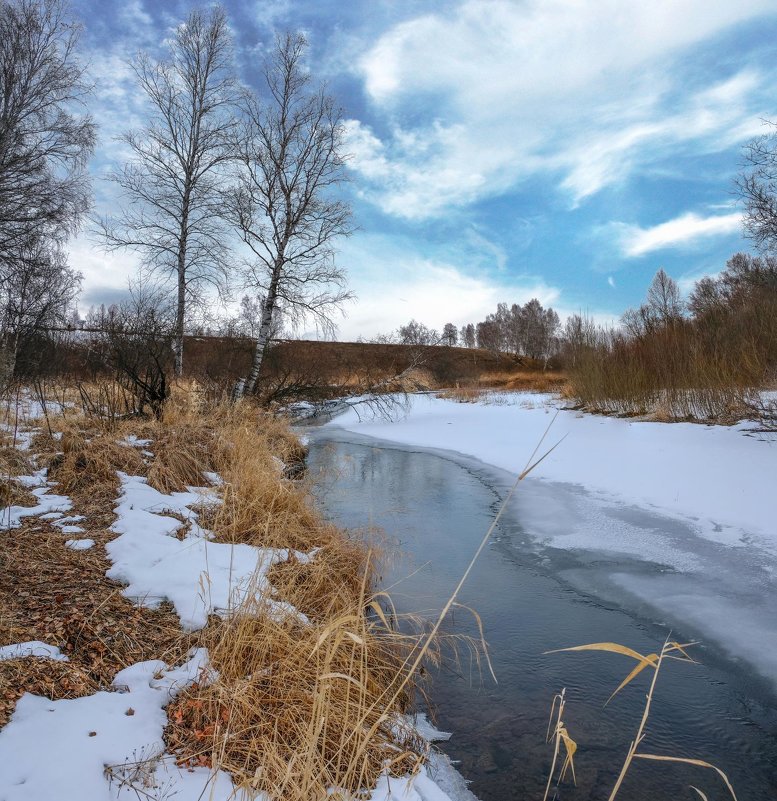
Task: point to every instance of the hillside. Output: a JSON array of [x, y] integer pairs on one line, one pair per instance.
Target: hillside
[[329, 368]]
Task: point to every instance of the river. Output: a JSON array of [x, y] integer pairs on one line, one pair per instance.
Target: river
[[430, 511]]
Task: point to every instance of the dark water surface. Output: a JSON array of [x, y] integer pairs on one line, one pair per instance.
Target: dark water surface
[[433, 512]]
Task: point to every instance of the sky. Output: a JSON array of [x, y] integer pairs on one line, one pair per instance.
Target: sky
[[498, 150]]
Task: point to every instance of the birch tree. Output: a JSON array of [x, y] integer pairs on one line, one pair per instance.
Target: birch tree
[[285, 208], [173, 182]]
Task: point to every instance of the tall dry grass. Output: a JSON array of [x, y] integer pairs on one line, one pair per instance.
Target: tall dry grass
[[300, 705], [673, 373]]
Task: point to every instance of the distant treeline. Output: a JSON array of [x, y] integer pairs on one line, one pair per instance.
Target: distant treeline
[[529, 330], [707, 357]]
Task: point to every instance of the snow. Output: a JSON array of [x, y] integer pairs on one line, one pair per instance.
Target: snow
[[79, 545], [31, 648], [60, 749], [132, 441], [108, 747], [197, 575], [408, 788], [691, 471], [48, 504], [65, 524], [674, 521]]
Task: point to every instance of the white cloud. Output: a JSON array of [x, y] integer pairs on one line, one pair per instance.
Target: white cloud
[[109, 271], [394, 284], [588, 90], [682, 231]]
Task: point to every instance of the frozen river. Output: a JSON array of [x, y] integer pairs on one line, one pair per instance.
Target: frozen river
[[542, 584]]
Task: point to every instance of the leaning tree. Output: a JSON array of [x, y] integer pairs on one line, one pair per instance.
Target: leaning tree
[[286, 208]]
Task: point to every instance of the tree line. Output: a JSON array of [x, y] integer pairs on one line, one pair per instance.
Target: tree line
[[529, 330], [223, 187], [704, 357]]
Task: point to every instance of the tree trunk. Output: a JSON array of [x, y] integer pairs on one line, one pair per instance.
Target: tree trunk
[[8, 347], [179, 318], [180, 311], [265, 329]]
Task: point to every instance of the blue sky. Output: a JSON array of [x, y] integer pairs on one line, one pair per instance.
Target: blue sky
[[499, 149]]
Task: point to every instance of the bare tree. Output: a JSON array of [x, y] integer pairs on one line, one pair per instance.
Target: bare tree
[[757, 187], [450, 335], [291, 160], [134, 344], [663, 298], [662, 307], [467, 335], [44, 146], [44, 143], [415, 333], [173, 182], [37, 294]]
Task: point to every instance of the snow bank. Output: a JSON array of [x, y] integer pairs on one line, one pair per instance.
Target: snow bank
[[197, 575], [109, 747], [718, 477], [61, 749]]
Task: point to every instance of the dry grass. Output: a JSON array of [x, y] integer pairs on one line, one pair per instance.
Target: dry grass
[[52, 593], [300, 709], [297, 708]]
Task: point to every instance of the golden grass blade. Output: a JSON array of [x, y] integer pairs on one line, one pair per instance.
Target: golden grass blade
[[483, 643], [556, 699], [542, 458], [376, 607], [556, 738], [701, 794], [676, 646], [570, 747], [686, 761], [634, 673], [612, 647]]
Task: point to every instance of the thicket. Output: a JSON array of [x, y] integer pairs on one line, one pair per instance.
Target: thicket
[[708, 358]]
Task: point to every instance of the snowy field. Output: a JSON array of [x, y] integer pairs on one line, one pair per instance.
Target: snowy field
[[685, 514]]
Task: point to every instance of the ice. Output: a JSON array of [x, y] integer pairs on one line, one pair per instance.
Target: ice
[[717, 476], [679, 519]]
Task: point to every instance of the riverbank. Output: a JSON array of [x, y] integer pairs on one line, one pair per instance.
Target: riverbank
[[176, 619], [709, 490]]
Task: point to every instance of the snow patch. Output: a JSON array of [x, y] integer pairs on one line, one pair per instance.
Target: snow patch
[[198, 576], [80, 545], [60, 749], [31, 648], [11, 516]]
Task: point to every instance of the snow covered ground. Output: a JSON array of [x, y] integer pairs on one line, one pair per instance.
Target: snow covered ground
[[108, 746], [686, 514]]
